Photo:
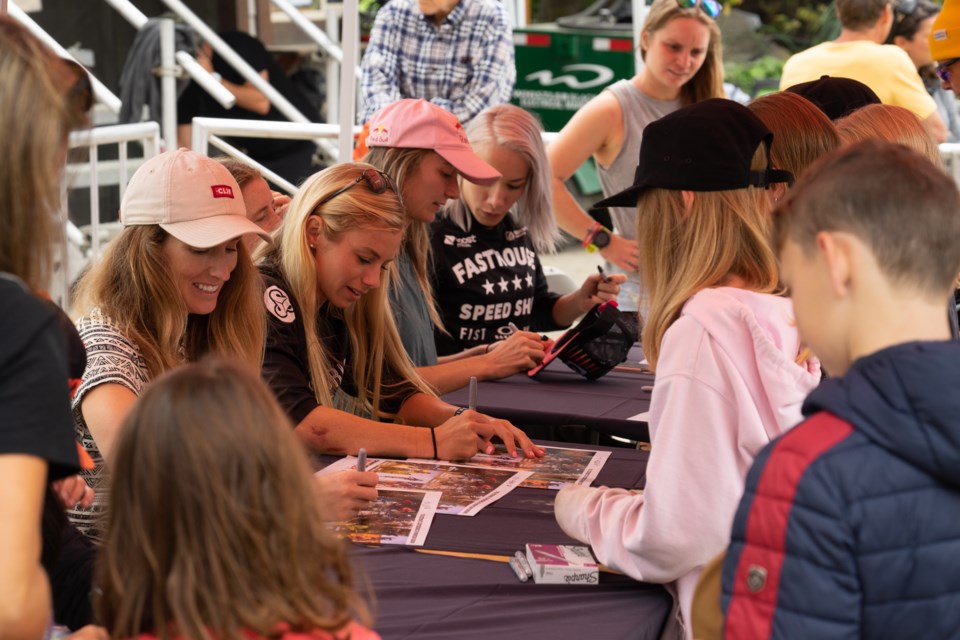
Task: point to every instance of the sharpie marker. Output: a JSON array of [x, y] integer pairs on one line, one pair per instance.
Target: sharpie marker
[[362, 460], [517, 569], [522, 561], [603, 274], [473, 393]]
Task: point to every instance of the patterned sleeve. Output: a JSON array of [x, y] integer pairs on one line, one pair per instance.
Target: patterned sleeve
[[111, 358]]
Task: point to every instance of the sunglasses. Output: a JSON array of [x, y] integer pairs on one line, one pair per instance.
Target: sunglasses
[[378, 182], [943, 69], [710, 7]]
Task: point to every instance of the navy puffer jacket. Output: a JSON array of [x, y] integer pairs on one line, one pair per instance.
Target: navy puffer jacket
[[850, 523]]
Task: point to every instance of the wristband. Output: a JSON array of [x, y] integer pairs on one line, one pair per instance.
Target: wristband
[[433, 438], [588, 239], [459, 411]]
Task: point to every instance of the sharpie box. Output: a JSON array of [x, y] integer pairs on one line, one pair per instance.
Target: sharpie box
[[562, 564]]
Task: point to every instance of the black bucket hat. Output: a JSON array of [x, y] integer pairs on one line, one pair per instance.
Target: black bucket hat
[[836, 97], [707, 146]]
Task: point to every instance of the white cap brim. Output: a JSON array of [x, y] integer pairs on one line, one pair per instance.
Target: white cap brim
[[204, 233]]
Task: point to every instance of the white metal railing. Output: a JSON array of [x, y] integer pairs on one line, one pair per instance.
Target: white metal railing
[[100, 92], [207, 130], [79, 247]]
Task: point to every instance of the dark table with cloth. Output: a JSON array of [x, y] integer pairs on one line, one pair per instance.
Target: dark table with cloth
[[425, 596], [559, 396]]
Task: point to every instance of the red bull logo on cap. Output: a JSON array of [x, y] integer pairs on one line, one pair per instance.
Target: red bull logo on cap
[[379, 135]]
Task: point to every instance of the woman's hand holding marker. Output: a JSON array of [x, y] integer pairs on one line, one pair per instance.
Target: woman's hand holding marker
[[523, 350]]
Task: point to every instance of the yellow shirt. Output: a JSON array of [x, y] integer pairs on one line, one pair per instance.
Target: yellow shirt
[[885, 68]]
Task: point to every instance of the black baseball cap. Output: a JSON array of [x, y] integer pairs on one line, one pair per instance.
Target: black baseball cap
[[836, 97], [707, 146]]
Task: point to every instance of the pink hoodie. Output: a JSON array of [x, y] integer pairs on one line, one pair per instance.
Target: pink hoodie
[[727, 383]]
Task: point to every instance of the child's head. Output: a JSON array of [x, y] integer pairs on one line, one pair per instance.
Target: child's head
[[801, 132], [702, 208], [868, 223], [891, 123], [684, 20], [214, 526], [509, 139]]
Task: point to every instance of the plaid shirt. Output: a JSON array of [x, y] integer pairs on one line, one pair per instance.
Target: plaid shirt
[[464, 65]]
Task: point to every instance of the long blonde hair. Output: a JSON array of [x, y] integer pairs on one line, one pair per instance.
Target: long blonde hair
[[133, 286], [214, 528], [374, 341], [708, 81], [400, 164], [723, 234], [510, 127], [36, 114]]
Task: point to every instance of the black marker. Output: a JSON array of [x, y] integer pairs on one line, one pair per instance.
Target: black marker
[[603, 275]]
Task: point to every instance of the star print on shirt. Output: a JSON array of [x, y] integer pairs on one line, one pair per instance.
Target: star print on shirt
[[504, 285], [517, 283], [529, 280], [487, 288]]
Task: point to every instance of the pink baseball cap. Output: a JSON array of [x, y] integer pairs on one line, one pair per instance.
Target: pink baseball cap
[[191, 197], [418, 124]]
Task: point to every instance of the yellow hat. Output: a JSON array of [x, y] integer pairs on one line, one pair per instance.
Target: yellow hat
[[945, 33]]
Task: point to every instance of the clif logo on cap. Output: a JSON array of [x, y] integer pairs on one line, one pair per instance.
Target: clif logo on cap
[[222, 191]]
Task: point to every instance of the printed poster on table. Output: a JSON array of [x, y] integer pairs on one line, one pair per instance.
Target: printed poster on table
[[465, 489], [559, 467], [395, 517]]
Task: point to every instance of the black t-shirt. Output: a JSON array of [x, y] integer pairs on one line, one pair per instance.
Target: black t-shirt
[[485, 279], [34, 394], [195, 102], [285, 366]]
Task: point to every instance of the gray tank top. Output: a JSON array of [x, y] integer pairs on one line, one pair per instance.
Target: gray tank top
[[639, 110]]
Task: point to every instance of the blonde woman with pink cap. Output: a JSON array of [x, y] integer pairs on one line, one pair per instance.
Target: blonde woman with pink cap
[[424, 148], [176, 284], [333, 356]]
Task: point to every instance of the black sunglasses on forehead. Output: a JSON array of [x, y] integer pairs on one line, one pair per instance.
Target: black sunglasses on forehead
[[378, 182]]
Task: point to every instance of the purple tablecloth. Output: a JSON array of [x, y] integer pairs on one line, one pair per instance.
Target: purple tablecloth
[[558, 396], [430, 597], [434, 597]]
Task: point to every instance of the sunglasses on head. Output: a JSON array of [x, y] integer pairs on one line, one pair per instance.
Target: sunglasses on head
[[943, 69], [378, 182], [710, 7]]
